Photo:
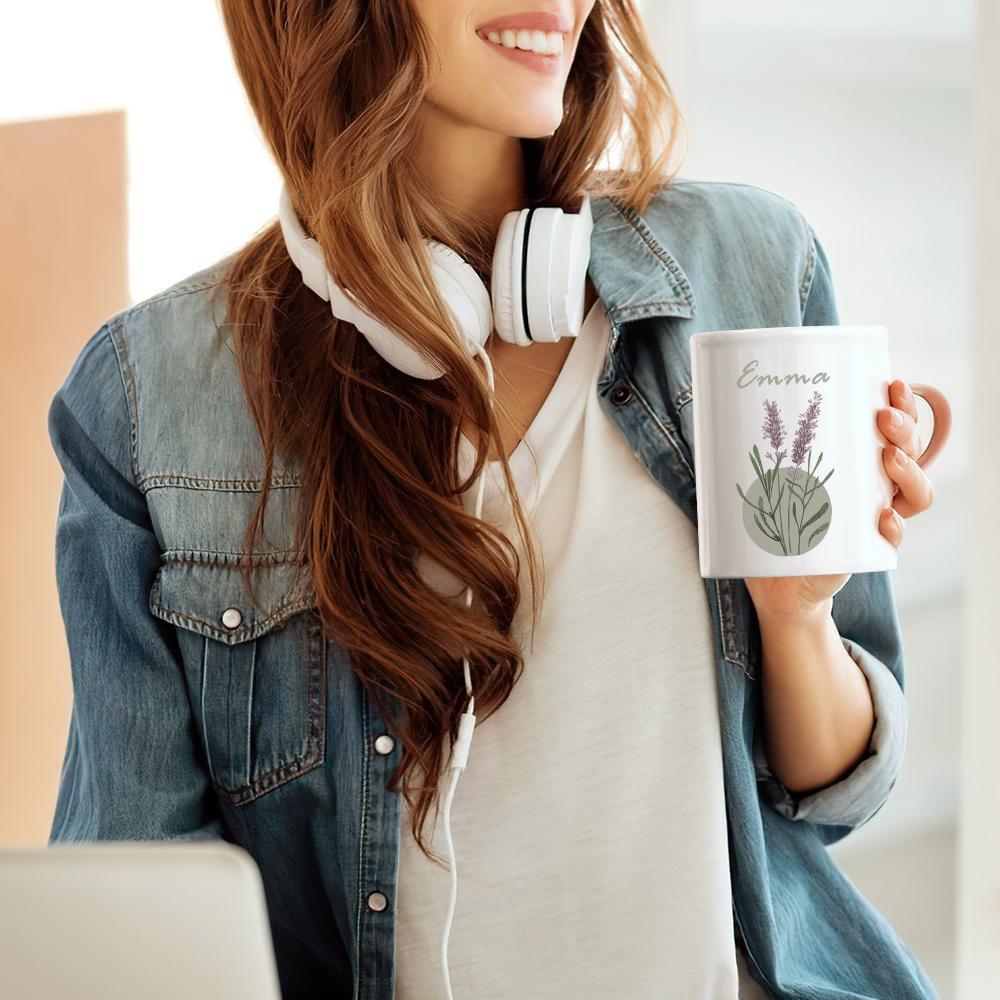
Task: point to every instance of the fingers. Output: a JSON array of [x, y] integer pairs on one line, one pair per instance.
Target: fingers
[[901, 395], [915, 491], [891, 525], [898, 422]]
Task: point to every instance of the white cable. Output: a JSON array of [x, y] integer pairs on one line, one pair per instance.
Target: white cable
[[463, 743]]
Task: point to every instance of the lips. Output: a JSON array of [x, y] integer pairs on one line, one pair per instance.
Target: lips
[[536, 20]]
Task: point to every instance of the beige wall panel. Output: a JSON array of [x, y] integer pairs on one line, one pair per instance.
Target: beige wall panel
[[63, 271]]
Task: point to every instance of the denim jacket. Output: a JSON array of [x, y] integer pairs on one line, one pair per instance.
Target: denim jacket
[[197, 715]]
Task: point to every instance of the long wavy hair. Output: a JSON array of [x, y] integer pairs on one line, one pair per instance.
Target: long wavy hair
[[336, 87]]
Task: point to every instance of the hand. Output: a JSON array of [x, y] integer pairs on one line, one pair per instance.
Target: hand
[[792, 597], [913, 491]]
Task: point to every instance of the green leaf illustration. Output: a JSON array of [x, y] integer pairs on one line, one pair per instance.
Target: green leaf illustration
[[822, 527], [764, 530], [818, 513]]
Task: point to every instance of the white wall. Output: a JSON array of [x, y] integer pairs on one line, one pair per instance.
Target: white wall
[[200, 179], [893, 18], [979, 865]]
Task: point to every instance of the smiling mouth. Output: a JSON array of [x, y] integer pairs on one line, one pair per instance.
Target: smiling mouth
[[542, 43]]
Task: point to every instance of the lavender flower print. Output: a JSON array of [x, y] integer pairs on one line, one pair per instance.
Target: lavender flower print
[[805, 434], [774, 430], [779, 505]]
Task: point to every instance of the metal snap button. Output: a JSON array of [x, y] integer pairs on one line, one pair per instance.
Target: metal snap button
[[621, 394], [232, 618], [384, 744], [377, 901]]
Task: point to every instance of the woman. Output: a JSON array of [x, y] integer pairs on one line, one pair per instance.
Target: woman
[[267, 529]]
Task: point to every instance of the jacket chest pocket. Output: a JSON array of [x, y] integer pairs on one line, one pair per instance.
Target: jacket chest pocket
[[257, 675]]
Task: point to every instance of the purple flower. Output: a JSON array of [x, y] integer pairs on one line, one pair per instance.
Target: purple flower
[[806, 430], [773, 429]]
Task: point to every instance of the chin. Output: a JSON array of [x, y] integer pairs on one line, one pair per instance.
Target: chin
[[533, 126]]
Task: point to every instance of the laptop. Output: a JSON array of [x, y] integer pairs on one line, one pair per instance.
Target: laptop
[[123, 920]]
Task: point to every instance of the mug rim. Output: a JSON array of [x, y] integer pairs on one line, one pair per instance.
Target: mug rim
[[856, 331]]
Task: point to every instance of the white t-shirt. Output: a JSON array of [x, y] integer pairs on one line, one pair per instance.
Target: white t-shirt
[[589, 823]]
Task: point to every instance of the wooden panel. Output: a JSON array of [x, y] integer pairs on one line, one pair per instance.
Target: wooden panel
[[62, 273]]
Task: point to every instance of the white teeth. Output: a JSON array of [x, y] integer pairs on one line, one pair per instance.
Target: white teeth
[[542, 42]]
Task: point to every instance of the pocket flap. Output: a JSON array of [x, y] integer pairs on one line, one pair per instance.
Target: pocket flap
[[212, 599]]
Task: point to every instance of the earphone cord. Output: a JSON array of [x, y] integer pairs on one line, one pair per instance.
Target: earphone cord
[[466, 725]]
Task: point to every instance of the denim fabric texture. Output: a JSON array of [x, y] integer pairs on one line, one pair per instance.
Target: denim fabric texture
[[197, 714]]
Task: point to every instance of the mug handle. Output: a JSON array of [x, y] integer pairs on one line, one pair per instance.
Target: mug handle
[[941, 409]]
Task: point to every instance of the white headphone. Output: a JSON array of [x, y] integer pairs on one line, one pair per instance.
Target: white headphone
[[540, 262]]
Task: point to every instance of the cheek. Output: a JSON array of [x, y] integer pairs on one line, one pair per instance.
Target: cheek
[[482, 88], [457, 76]]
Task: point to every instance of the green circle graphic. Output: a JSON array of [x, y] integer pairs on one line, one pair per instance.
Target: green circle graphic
[[783, 527]]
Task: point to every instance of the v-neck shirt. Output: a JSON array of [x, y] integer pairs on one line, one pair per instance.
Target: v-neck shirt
[[589, 823], [547, 436]]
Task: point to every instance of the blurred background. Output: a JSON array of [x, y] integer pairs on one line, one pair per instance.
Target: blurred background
[[129, 159]]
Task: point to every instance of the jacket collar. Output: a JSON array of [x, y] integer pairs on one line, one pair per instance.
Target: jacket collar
[[634, 273]]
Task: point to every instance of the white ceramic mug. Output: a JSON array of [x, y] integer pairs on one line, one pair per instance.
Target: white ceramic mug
[[788, 454]]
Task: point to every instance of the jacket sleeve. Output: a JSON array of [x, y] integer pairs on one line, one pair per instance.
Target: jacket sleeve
[[132, 768], [865, 613]]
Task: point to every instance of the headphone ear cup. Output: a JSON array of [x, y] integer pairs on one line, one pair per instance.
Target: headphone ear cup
[[504, 280]]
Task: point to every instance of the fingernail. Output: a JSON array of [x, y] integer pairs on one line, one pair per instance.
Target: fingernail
[[896, 417], [899, 457]]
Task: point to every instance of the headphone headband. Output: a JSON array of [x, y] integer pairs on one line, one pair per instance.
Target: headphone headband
[[537, 285], [306, 253]]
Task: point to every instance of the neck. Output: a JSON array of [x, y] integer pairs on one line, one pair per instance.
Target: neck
[[472, 171]]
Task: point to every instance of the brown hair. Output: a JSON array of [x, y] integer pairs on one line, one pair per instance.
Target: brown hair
[[335, 87]]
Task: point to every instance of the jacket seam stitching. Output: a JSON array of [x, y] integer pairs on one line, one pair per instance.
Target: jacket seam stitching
[[186, 555], [167, 480], [267, 781], [805, 286], [735, 658], [314, 752], [362, 852], [166, 295], [659, 423], [638, 224], [294, 605], [116, 336]]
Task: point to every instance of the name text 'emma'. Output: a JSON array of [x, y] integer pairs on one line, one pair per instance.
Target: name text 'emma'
[[749, 376]]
